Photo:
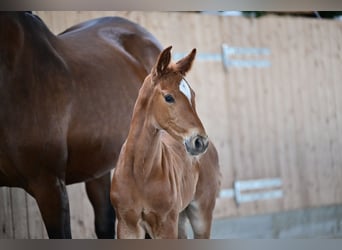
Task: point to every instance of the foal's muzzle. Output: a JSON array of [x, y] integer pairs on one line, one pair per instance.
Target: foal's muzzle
[[196, 145]]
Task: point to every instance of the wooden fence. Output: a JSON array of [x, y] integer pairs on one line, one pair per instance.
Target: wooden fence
[[274, 110]]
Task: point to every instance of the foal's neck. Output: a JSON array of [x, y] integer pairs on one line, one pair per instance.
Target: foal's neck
[[143, 143]]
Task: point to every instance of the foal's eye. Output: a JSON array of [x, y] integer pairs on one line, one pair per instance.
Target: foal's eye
[[169, 98]]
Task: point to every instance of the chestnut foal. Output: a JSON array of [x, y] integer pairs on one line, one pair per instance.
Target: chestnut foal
[[168, 169]]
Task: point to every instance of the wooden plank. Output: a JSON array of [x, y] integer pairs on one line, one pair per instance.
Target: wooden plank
[[6, 223], [319, 107], [246, 108], [19, 213], [335, 51], [296, 130], [327, 114], [307, 122], [81, 213], [267, 113], [249, 124], [270, 34]]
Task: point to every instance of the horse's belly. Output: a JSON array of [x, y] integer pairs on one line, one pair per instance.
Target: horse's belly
[[89, 161], [95, 139]]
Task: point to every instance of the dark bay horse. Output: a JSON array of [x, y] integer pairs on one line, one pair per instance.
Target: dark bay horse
[[65, 106], [168, 169]]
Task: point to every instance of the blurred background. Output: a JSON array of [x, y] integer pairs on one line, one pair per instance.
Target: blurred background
[[268, 88]]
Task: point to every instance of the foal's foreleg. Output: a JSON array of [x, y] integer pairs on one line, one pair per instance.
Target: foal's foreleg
[[98, 194], [163, 226], [182, 234], [200, 217], [128, 228]]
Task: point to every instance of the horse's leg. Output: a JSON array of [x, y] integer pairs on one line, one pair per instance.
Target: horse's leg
[[52, 199], [200, 214], [182, 226], [98, 193]]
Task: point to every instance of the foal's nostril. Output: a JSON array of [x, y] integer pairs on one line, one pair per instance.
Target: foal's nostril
[[196, 145], [199, 143]]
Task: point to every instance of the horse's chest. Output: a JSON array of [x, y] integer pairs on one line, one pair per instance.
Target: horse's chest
[[175, 189]]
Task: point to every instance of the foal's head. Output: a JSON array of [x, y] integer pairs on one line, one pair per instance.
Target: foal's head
[[172, 102]]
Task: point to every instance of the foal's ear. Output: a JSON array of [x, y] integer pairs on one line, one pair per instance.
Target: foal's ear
[[184, 65], [162, 63]]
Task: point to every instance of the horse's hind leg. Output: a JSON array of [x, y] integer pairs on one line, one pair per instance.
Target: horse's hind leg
[[98, 192], [52, 199]]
